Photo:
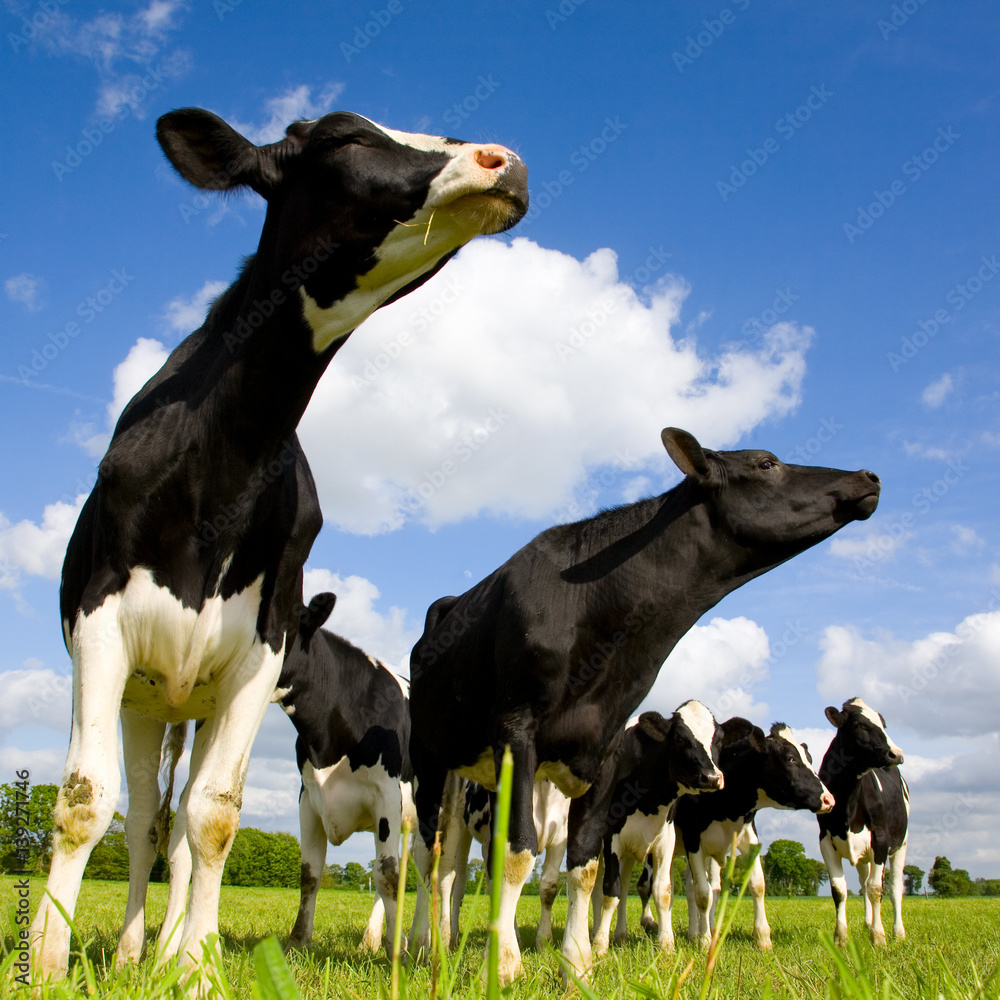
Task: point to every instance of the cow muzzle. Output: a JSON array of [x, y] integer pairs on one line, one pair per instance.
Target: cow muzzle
[[826, 803]]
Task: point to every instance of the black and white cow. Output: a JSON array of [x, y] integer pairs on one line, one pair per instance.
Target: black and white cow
[[868, 825], [553, 652], [183, 576], [550, 810], [673, 759], [761, 771], [353, 723]]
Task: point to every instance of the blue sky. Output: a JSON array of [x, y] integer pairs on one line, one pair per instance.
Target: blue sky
[[772, 224]]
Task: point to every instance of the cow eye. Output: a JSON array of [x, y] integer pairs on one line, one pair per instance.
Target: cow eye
[[768, 464]]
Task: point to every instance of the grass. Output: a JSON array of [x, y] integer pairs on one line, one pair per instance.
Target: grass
[[951, 951]]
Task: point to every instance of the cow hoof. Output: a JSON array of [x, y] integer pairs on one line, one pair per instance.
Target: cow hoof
[[600, 946], [878, 938], [764, 943], [665, 943], [542, 941], [508, 968], [373, 945], [648, 925], [840, 937], [296, 944], [899, 934]]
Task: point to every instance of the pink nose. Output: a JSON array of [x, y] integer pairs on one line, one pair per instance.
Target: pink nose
[[716, 781], [826, 803], [494, 158]]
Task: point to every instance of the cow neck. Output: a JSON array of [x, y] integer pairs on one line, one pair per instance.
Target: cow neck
[[743, 769], [843, 783], [265, 365]]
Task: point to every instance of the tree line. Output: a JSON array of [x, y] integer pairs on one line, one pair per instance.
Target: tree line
[[259, 858]]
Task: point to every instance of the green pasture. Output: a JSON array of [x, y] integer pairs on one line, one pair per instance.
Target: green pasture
[[950, 951]]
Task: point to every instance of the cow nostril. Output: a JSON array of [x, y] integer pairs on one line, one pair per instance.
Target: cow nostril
[[489, 159], [873, 477]]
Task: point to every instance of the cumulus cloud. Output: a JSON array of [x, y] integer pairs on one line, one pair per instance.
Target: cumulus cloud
[[945, 684], [938, 391], [385, 635], [501, 382], [184, 315], [716, 663], [293, 104], [35, 695], [26, 289], [37, 549]]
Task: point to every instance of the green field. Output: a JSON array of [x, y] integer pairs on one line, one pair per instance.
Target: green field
[[961, 935]]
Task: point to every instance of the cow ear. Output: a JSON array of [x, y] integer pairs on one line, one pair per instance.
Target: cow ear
[[757, 739], [213, 156], [734, 729], [654, 726], [686, 453], [315, 615], [836, 716]]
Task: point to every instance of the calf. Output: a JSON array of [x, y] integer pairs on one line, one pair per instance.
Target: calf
[[550, 809], [868, 825], [553, 651], [183, 576], [774, 770], [353, 725], [671, 759]]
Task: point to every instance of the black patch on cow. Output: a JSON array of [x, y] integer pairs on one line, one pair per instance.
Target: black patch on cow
[[383, 829]]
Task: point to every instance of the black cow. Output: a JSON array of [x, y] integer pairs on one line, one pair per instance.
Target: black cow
[[670, 760], [868, 825], [183, 576], [761, 771], [552, 652]]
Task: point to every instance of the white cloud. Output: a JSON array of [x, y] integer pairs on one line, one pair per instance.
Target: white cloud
[[502, 381], [144, 359], [938, 391], [186, 315], [386, 636], [965, 540], [26, 289], [871, 548], [35, 696], [38, 550], [716, 663], [917, 449], [294, 104], [947, 683]]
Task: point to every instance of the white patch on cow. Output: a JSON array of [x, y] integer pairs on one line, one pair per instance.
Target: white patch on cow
[[483, 772], [700, 721], [279, 696], [176, 655], [562, 777], [786, 734], [874, 774], [347, 800], [868, 712], [857, 847]]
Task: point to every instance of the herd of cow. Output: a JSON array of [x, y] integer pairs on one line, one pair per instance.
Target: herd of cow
[[181, 600]]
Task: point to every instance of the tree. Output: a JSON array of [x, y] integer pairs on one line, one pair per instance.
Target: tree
[[788, 872], [259, 858], [33, 817], [946, 881], [354, 875], [913, 879], [109, 858]]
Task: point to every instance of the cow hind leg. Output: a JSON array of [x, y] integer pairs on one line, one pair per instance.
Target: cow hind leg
[[873, 897], [387, 829], [621, 919], [604, 897], [661, 879], [838, 888], [216, 790], [313, 848], [761, 928], [142, 739], [88, 793], [896, 864]]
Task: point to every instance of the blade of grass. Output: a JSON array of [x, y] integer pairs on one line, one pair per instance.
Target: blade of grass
[[499, 850], [398, 930]]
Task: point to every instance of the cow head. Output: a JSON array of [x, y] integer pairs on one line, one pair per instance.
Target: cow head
[[789, 779], [690, 742], [770, 509], [358, 214], [861, 742]]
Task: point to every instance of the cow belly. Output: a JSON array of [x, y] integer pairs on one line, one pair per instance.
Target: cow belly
[[640, 833], [164, 642], [345, 799], [717, 839], [855, 847]]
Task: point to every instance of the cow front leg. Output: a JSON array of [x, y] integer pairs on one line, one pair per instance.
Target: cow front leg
[[661, 880], [387, 831], [463, 845], [548, 889], [428, 795], [838, 887], [216, 790], [873, 896], [587, 817], [761, 928], [142, 740], [313, 847], [604, 896], [88, 793], [520, 852], [644, 890], [702, 899]]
